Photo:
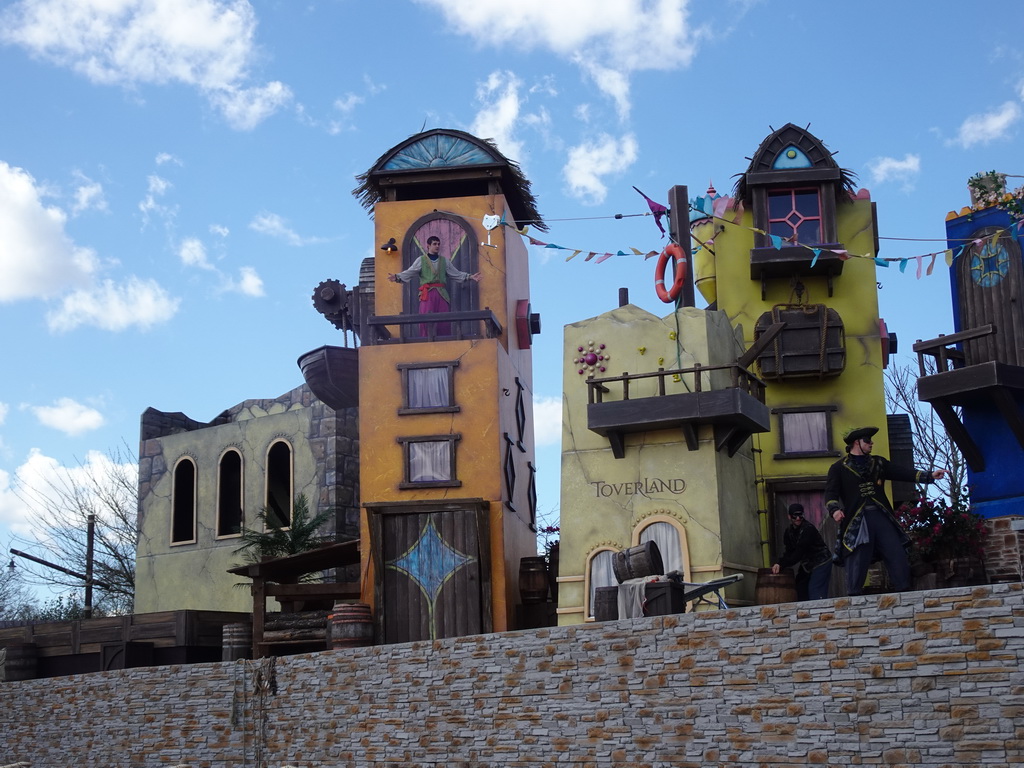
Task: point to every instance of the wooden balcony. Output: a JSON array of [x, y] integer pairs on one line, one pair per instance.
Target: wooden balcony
[[735, 408], [957, 383]]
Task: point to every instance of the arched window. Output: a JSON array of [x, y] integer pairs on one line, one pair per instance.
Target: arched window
[[670, 537], [279, 485], [599, 574], [229, 494], [183, 502]]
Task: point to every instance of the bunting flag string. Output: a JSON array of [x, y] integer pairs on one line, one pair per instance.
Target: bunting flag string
[[715, 208]]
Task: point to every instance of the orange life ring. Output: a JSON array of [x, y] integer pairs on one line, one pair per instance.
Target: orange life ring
[[675, 251]]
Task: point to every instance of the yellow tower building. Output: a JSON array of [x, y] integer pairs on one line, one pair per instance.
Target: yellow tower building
[[797, 245]]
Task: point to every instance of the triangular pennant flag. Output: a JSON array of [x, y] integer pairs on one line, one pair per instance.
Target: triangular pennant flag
[[636, 251], [931, 264], [881, 262], [556, 247], [949, 258], [503, 223], [574, 255], [918, 266], [535, 241], [590, 255], [842, 253], [776, 241], [903, 265], [649, 254], [817, 253], [523, 230], [622, 253], [996, 236], [960, 251], [657, 209], [604, 257]]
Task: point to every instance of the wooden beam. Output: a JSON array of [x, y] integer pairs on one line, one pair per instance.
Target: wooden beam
[[679, 232], [766, 338], [959, 435]]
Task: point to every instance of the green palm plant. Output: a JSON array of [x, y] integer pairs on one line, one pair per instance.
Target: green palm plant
[[267, 541]]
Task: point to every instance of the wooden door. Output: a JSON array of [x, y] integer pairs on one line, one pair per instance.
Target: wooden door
[[434, 581]]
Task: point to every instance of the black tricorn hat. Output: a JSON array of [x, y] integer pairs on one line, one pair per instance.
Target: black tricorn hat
[[861, 433]]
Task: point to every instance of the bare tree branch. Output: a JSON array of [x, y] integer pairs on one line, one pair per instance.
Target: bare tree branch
[[105, 485], [933, 448]]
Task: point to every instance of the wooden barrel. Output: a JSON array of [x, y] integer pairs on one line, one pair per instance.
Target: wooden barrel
[[638, 562], [350, 625], [18, 662], [775, 587], [606, 604], [533, 580], [236, 641]]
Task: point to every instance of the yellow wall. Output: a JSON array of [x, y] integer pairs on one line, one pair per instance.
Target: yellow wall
[[710, 494], [858, 392]]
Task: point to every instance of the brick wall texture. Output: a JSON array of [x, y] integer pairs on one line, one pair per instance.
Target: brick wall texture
[[918, 679]]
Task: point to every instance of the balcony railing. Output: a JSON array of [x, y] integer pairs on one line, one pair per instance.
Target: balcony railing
[[416, 328], [739, 378]]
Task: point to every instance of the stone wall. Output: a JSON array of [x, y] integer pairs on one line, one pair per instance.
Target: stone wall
[[919, 679]]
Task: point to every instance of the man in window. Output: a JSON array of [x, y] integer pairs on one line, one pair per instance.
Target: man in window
[[805, 549], [433, 273], [868, 529]]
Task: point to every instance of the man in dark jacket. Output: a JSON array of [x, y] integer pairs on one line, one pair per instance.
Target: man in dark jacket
[[868, 528], [805, 549]]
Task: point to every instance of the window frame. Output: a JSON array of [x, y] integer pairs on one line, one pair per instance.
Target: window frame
[[291, 484], [792, 192], [588, 602], [827, 410], [408, 410], [684, 546], [175, 493], [218, 532], [407, 483]]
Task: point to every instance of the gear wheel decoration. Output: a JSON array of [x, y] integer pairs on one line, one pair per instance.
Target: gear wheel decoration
[[591, 359], [330, 299]]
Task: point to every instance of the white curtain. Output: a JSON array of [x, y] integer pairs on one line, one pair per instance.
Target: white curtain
[[805, 432], [430, 461], [428, 388], [666, 537], [601, 575]]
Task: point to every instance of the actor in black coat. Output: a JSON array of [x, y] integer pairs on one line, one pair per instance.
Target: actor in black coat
[[868, 528], [804, 548]]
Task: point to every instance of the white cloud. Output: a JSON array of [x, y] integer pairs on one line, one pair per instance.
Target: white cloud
[[885, 169], [590, 161], [192, 253], [115, 307], [613, 83], [626, 36], [275, 226], [36, 479], [220, 229], [245, 108], [88, 195], [205, 44], [37, 258], [249, 282], [547, 420], [4, 410], [989, 126], [165, 157], [68, 416], [156, 187], [499, 112]]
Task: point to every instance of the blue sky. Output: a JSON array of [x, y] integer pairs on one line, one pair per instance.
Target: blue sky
[[176, 175]]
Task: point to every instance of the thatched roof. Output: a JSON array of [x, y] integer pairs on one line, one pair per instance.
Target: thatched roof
[[444, 152], [804, 152]]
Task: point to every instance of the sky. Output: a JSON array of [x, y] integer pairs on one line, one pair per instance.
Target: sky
[[176, 176]]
